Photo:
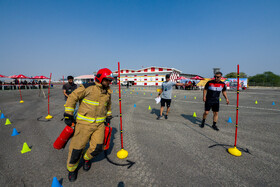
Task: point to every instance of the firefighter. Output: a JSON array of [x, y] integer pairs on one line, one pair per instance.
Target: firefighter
[[94, 110]]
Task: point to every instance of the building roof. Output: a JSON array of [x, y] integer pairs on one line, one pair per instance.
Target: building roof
[[151, 69], [85, 77]]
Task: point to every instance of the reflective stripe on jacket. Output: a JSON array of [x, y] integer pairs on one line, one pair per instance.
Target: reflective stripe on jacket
[[90, 120]]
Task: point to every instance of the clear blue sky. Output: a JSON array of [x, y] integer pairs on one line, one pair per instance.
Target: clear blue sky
[[79, 37]]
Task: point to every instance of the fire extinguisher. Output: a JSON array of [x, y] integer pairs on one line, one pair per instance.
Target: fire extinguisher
[[64, 136], [107, 136]]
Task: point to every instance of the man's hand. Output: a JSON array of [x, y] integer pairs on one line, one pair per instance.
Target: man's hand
[[204, 99], [108, 119], [227, 101], [68, 119]]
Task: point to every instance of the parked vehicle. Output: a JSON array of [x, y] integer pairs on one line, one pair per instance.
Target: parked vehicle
[[124, 83]]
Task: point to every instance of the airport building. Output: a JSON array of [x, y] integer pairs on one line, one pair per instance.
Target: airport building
[[151, 76]]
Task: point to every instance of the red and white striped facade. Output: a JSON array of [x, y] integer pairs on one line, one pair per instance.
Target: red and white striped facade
[[151, 76]]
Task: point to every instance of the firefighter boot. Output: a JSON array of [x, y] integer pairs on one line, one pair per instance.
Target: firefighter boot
[[72, 176], [87, 165]]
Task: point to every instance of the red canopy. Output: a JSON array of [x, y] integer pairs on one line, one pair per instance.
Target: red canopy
[[3, 76], [19, 77], [40, 77], [197, 78]]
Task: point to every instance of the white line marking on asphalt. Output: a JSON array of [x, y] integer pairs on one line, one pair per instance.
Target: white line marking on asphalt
[[270, 109]]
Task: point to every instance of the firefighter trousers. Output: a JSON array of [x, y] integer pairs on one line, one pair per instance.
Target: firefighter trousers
[[84, 133]]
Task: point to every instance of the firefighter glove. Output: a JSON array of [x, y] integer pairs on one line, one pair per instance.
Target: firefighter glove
[[68, 119], [108, 119]]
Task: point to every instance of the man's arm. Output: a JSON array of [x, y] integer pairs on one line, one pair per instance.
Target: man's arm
[[204, 94], [179, 84], [109, 111], [73, 98], [160, 92], [225, 95], [64, 92]]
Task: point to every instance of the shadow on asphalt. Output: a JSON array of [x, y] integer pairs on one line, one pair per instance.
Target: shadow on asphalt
[[198, 122], [43, 120], [60, 181], [121, 184], [192, 119], [244, 150], [155, 111]]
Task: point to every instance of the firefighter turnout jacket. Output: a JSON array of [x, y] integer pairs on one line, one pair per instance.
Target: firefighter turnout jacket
[[94, 103]]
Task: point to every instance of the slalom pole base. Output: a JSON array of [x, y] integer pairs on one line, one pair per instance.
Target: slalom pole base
[[48, 117], [234, 151], [122, 154], [21, 101]]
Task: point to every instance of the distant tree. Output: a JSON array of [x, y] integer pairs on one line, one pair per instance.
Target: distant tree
[[266, 79], [234, 75]]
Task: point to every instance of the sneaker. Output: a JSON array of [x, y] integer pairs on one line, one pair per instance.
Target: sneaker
[[87, 165], [166, 116], [201, 125], [160, 117], [72, 176], [215, 127]]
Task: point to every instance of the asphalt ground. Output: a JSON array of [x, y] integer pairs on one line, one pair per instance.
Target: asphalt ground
[[172, 152]]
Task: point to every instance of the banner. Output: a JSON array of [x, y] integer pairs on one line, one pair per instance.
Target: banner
[[232, 82]]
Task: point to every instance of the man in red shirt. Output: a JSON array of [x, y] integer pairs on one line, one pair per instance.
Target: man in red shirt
[[211, 95]]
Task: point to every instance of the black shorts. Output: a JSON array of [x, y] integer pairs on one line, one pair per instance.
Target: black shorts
[[215, 106], [167, 101]]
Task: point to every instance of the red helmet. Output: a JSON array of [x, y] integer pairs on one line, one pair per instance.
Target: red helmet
[[104, 73]]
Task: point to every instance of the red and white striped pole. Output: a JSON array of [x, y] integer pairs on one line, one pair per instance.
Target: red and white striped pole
[[121, 153], [49, 116], [234, 151]]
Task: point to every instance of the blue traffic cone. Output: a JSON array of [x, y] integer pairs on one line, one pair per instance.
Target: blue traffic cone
[[15, 132], [229, 120], [273, 103], [134, 105], [2, 116], [55, 183]]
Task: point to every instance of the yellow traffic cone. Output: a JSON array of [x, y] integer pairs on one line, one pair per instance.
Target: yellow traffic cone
[[150, 107], [25, 148], [194, 114], [194, 97], [8, 122], [256, 102], [174, 95]]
